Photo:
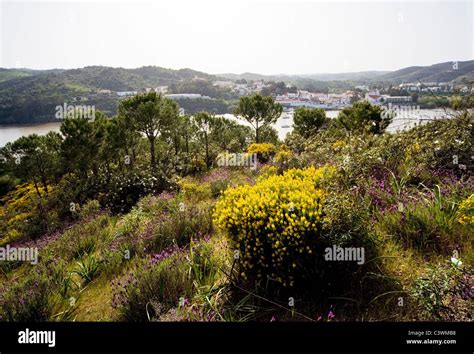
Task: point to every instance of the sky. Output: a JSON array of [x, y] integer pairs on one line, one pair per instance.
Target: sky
[[222, 36]]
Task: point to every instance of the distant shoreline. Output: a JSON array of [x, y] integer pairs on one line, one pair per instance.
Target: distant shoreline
[[25, 125]]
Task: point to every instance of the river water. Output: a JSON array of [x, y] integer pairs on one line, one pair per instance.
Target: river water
[[284, 124]]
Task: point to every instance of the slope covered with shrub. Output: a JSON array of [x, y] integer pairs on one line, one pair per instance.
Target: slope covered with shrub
[[122, 240]]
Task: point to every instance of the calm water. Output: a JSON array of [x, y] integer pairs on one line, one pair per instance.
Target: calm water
[[284, 125], [12, 132]]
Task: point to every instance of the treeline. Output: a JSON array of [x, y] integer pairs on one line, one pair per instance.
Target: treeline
[[115, 160], [144, 149]]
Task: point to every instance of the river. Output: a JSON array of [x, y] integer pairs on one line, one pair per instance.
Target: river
[[10, 133], [284, 124]]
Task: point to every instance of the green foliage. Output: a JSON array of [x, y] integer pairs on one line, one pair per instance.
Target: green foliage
[[308, 121], [269, 135], [150, 291], [259, 111], [149, 114], [277, 88], [217, 187], [425, 225], [445, 292], [91, 208], [88, 268], [26, 300], [186, 222], [32, 98], [124, 191], [362, 116], [285, 159]]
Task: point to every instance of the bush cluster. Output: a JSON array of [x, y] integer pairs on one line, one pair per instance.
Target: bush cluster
[[264, 151], [281, 224]]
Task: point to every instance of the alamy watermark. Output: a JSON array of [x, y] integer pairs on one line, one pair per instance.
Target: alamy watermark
[[21, 254], [75, 111], [400, 111], [237, 159], [349, 254], [37, 337]]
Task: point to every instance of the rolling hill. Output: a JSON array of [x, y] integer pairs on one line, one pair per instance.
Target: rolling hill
[[442, 72], [30, 96]]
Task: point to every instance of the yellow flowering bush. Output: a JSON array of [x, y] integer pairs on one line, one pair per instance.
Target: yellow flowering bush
[[338, 145], [411, 151], [264, 151], [19, 206], [276, 223], [285, 159], [266, 171], [466, 211]]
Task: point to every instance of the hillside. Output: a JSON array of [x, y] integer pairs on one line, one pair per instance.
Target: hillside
[[31, 96], [355, 76], [442, 72], [182, 244], [8, 74], [120, 79]]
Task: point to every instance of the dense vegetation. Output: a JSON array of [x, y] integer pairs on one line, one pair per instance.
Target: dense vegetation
[[136, 220], [31, 96]]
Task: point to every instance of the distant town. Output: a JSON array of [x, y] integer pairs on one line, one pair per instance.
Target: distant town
[[303, 98]]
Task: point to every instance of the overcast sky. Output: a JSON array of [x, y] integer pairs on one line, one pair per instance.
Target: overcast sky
[[268, 37]]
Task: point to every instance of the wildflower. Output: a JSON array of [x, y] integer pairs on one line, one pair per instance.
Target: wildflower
[[457, 262]]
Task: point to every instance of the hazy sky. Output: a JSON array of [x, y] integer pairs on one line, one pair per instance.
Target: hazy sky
[[268, 37]]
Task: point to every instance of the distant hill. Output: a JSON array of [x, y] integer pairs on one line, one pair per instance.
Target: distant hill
[[8, 74], [30, 96], [442, 72], [356, 76], [120, 79]]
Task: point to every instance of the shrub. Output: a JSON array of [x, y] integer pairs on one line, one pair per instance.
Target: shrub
[[280, 225], [218, 186], [22, 213], [465, 213], [88, 268], [190, 222], [149, 291], [26, 301], [285, 159], [426, 225], [194, 191], [123, 192], [445, 292], [264, 151], [266, 171], [89, 209]]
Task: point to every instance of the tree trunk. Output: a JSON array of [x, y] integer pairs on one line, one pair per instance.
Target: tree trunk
[[152, 150], [256, 132], [187, 144], [207, 151]]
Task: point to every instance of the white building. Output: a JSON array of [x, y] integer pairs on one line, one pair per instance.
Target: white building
[[126, 93], [191, 96]]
